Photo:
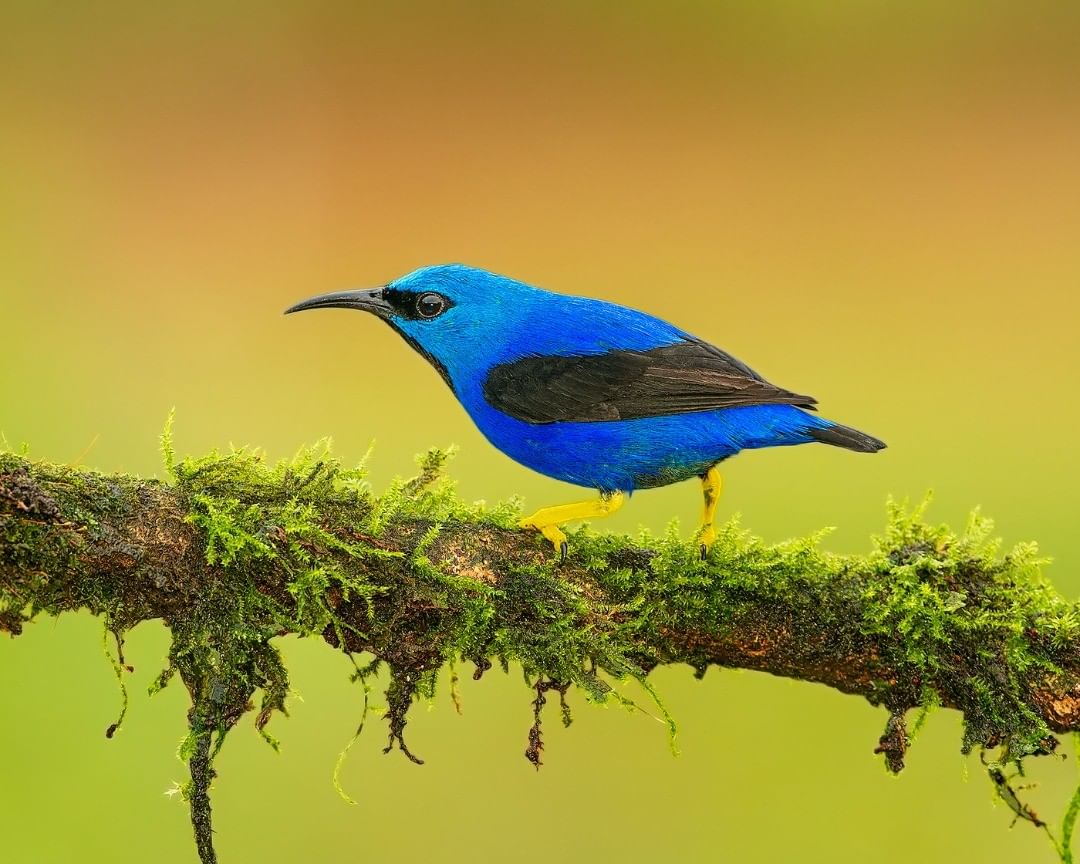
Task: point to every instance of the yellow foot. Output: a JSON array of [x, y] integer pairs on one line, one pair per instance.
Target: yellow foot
[[711, 485], [552, 532], [705, 540], [547, 520]]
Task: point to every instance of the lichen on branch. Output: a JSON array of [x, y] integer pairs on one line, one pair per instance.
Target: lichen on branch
[[234, 552]]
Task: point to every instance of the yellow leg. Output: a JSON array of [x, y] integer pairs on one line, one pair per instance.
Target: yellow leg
[[711, 484], [547, 520]]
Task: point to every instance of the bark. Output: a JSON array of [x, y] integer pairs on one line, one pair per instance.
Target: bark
[[232, 554]]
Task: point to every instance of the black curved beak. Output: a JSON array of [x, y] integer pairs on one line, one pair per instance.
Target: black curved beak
[[367, 299]]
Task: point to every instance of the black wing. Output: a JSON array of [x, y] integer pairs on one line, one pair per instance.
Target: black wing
[[624, 385]]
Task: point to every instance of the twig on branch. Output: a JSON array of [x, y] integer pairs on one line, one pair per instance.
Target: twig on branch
[[235, 553]]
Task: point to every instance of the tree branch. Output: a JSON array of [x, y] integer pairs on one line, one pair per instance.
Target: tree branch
[[234, 553]]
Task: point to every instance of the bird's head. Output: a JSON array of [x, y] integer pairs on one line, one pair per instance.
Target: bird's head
[[454, 315]]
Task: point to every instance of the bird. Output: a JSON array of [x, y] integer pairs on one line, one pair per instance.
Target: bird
[[590, 392]]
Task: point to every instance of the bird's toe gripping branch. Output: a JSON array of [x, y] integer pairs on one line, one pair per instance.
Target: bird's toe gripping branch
[[712, 484], [547, 520]]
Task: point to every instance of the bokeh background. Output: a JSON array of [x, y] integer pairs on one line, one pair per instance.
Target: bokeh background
[[877, 203]]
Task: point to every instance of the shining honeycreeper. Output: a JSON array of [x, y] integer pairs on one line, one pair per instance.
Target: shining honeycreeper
[[590, 392]]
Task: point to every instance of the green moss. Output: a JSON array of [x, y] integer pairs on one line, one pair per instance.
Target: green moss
[[919, 582], [951, 619]]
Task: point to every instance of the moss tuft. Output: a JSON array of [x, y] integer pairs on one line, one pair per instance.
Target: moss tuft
[[423, 581]]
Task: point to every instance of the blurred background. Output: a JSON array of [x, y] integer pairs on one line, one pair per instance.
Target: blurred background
[[876, 203]]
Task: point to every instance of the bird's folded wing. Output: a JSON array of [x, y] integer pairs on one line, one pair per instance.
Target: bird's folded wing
[[624, 385]]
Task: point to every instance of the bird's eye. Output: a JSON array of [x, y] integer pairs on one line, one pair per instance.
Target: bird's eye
[[430, 305]]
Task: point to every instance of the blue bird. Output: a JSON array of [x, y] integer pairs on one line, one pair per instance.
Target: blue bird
[[590, 392]]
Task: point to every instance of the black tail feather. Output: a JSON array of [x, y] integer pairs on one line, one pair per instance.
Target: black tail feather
[[848, 438]]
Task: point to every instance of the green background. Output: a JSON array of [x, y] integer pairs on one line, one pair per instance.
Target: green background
[[877, 203]]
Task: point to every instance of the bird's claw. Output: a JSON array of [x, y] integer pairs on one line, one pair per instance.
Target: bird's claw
[[552, 533], [705, 541]]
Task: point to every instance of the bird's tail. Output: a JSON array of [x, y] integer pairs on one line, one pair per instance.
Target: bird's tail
[[846, 437]]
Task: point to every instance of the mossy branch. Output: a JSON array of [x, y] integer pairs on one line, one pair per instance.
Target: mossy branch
[[234, 553]]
